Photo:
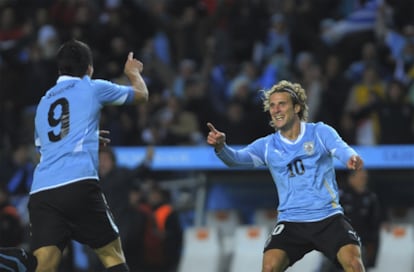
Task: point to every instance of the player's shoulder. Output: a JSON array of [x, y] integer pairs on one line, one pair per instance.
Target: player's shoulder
[[320, 130], [99, 81], [267, 138], [316, 124], [319, 127], [101, 86]]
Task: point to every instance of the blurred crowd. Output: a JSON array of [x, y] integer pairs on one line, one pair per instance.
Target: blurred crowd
[[207, 60]]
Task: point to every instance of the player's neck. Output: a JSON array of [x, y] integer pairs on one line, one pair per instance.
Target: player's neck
[[291, 133]]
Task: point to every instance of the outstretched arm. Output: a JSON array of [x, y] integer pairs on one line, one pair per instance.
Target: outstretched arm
[[231, 157]]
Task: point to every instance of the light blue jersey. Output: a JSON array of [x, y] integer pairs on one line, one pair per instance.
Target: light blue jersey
[[303, 170], [67, 129]]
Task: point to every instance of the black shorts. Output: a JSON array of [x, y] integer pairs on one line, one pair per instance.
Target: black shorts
[[75, 211], [326, 236]]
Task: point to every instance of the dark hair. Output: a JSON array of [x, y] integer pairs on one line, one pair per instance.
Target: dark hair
[[73, 58]]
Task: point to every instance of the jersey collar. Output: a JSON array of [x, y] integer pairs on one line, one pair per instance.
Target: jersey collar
[[64, 78], [300, 136]]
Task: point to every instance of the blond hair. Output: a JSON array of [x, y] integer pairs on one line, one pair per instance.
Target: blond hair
[[297, 94]]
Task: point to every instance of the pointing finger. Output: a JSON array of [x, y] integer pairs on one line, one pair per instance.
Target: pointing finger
[[130, 55], [211, 127]]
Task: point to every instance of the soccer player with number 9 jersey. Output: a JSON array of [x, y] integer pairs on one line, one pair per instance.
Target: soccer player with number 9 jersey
[[66, 201]]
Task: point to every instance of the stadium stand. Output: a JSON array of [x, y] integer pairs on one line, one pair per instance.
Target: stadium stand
[[396, 251], [226, 221], [248, 247], [202, 249], [265, 217]]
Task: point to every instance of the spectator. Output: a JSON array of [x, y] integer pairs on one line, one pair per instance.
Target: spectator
[[11, 227], [335, 91], [277, 39], [369, 57], [14, 34], [16, 176], [236, 120], [181, 126], [116, 181], [312, 81], [135, 222], [362, 207], [395, 115], [361, 19], [246, 24], [363, 93], [162, 255], [198, 100], [186, 70]]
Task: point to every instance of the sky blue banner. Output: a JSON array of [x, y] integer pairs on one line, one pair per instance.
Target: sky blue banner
[[203, 157]]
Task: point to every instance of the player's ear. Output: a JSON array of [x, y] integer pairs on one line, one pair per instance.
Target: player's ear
[[89, 71], [297, 108]]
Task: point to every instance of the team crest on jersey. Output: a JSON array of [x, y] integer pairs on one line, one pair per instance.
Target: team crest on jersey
[[309, 148]]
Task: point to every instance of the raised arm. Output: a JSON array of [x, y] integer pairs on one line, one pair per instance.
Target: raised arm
[[132, 70]]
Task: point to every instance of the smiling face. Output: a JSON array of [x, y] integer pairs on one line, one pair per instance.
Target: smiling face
[[286, 104], [283, 112]]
